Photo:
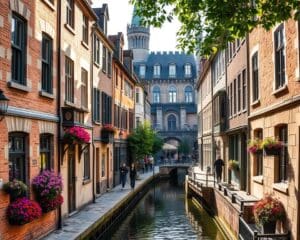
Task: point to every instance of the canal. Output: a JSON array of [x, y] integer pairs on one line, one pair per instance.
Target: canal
[[165, 213]]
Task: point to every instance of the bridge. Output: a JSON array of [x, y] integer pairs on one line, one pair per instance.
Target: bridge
[[167, 168]]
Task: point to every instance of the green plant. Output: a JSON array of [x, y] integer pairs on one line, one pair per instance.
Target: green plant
[[271, 143], [268, 210], [15, 189], [233, 165], [254, 145]]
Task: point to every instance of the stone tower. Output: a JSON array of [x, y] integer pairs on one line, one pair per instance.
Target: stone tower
[[138, 38]]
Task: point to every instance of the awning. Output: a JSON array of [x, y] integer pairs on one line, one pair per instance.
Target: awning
[[168, 146]]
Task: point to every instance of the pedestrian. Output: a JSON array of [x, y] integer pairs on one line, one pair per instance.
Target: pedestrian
[[123, 174], [218, 165], [132, 175], [151, 160]]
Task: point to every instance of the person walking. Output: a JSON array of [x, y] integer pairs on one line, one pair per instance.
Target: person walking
[[123, 174], [218, 165], [132, 175]]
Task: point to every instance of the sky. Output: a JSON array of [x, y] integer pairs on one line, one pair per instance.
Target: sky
[[120, 13]]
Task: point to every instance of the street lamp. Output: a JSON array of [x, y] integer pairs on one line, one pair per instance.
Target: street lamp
[[3, 105]]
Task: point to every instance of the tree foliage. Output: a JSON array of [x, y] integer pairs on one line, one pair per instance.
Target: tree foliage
[[144, 141], [184, 147], [208, 25]]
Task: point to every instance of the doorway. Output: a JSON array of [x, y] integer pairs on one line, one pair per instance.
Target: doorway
[[71, 179], [98, 184]]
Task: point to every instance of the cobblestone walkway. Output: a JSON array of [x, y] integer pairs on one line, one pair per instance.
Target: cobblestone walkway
[[75, 225]]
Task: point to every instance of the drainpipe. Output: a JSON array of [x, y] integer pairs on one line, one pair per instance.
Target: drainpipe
[[248, 182], [58, 40]]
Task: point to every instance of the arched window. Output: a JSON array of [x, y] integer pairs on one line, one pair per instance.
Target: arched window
[[188, 94], [156, 94], [187, 70], [172, 94], [172, 70], [156, 70], [171, 122]]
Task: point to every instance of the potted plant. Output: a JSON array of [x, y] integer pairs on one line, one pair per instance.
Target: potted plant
[[254, 146], [15, 189], [48, 187], [108, 128], [23, 211], [267, 212], [233, 165], [76, 135], [271, 146]]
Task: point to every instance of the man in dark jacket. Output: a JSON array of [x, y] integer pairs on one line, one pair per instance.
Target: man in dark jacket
[[123, 174], [218, 165]]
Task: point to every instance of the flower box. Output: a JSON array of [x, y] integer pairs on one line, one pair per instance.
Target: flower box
[[272, 147], [254, 146], [76, 135], [108, 128]]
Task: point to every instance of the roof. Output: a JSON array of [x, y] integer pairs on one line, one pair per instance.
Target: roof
[[135, 21], [164, 59]]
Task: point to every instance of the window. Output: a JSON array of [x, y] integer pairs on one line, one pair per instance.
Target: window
[[188, 94], [109, 64], [244, 93], [128, 89], [255, 83], [47, 46], [18, 45], [279, 57], [124, 118], [86, 165], [172, 70], [187, 70], [70, 13], [172, 94], [231, 100], [96, 50], [239, 100], [85, 29], [234, 96], [142, 71], [103, 160], [156, 71], [45, 152], [96, 105], [131, 120], [138, 121], [283, 157], [137, 95], [18, 164], [69, 79], [258, 134], [84, 88], [156, 94], [106, 108], [104, 60], [172, 122]]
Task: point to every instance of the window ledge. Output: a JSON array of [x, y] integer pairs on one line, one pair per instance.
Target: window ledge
[[281, 187], [86, 181], [284, 87], [258, 179], [97, 64], [49, 4], [69, 28], [256, 102], [85, 45], [97, 122], [46, 94], [85, 109], [18, 86], [68, 103]]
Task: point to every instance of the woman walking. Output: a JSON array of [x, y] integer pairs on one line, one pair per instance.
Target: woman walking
[[123, 174], [132, 175]]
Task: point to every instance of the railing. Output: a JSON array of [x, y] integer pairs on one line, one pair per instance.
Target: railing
[[204, 179], [246, 232]]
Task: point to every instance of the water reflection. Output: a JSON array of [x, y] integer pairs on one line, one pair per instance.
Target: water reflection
[[164, 213]]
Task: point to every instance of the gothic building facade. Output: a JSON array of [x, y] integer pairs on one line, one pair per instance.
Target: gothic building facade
[[169, 78]]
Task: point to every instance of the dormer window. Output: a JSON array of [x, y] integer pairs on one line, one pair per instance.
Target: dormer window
[[187, 70], [172, 70], [156, 71], [142, 71]]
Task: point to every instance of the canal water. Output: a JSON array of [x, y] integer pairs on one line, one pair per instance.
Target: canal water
[[165, 213]]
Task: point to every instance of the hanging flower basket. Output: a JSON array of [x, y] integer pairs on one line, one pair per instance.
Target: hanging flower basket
[[254, 146], [108, 128], [233, 165], [48, 187], [76, 135], [23, 211], [15, 189], [267, 212], [272, 146]]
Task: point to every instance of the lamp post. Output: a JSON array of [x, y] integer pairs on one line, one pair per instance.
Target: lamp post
[[3, 105]]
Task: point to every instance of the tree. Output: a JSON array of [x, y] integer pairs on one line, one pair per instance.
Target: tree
[[184, 147], [208, 25], [144, 141]]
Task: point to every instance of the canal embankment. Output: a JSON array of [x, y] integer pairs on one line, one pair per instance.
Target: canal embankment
[[98, 217]]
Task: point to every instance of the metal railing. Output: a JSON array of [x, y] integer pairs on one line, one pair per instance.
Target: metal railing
[[204, 179]]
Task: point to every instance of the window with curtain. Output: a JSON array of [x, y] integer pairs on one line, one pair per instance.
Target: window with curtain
[[255, 80], [69, 79], [156, 94], [187, 70], [188, 94], [279, 57], [172, 94], [156, 71], [46, 153], [172, 70], [47, 46]]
